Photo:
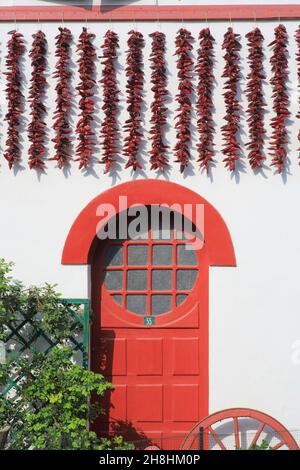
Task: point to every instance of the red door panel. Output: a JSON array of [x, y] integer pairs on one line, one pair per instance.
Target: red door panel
[[160, 372]]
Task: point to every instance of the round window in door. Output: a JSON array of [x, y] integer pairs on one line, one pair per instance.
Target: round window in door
[[153, 271]]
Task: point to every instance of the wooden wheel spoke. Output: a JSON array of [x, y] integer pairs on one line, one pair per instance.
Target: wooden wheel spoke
[[216, 438], [278, 445], [236, 433], [258, 433]]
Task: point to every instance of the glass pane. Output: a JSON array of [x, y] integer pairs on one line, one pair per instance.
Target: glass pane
[[113, 280], [161, 279], [185, 278], [162, 255], [138, 255], [180, 298], [114, 255], [136, 303], [117, 298], [137, 279], [186, 255], [160, 303]]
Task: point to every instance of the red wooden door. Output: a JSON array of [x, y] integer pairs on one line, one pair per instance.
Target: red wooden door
[[150, 336]]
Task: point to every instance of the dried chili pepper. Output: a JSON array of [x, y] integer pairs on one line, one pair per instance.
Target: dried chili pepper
[[158, 159], [14, 96], [279, 63], [37, 126], [184, 46], [255, 98], [109, 126], [84, 130], [297, 36], [63, 75], [134, 88], [231, 72], [204, 105]]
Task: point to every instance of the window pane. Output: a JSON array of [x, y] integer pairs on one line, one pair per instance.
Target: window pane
[[137, 279], [114, 255], [117, 298], [113, 280], [138, 255], [186, 256], [162, 255], [160, 303], [180, 298], [136, 303], [185, 278], [161, 279]]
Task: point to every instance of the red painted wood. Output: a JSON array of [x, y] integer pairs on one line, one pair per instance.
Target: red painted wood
[[219, 248], [150, 13], [234, 414], [160, 373]]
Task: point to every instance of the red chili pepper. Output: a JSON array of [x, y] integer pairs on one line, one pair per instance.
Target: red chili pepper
[[184, 46], [84, 130], [256, 102], [109, 126], [63, 75], [134, 87], [37, 126], [297, 36], [14, 96], [279, 63], [158, 159], [230, 130], [204, 105]]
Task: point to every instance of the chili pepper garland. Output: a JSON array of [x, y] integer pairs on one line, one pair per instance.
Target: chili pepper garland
[[204, 105], [37, 126], [85, 133], [14, 96], [61, 124], [297, 36], [184, 46], [279, 63], [158, 158], [231, 72], [255, 98], [109, 127], [134, 87]]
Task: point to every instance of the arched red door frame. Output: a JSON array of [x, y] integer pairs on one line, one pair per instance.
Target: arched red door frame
[[80, 238], [217, 250]]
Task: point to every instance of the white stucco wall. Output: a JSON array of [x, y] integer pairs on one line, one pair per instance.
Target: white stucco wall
[[254, 308]]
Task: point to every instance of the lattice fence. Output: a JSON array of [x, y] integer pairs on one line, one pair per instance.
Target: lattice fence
[[25, 337]]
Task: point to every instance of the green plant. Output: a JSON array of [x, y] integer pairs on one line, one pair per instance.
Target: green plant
[[264, 445], [51, 404]]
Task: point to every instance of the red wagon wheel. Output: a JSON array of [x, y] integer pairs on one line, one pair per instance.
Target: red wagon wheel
[[214, 435]]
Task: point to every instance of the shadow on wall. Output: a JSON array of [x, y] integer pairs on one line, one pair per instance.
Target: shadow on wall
[[105, 5], [88, 4]]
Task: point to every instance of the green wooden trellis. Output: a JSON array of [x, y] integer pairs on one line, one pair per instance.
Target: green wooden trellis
[[30, 343]]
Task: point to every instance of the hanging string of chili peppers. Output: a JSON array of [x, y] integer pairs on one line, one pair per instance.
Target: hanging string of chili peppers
[[297, 36], [63, 74], [256, 102], [158, 159], [84, 130], [16, 48], [134, 88], [184, 46], [109, 126], [231, 72], [279, 63], [37, 126], [204, 105]]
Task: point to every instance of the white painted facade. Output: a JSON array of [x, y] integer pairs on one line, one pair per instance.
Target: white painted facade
[[254, 308]]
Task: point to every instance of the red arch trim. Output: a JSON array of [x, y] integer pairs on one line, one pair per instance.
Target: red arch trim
[[82, 233]]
